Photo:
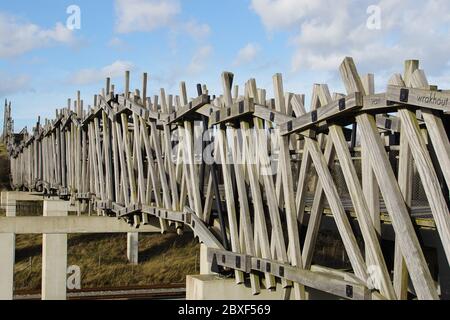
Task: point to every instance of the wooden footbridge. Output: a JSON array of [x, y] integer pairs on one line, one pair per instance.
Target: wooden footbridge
[[255, 178]]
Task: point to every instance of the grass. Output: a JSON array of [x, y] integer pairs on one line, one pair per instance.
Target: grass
[[164, 259]]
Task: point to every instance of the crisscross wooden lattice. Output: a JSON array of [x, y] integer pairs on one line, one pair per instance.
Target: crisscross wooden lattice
[[253, 177]]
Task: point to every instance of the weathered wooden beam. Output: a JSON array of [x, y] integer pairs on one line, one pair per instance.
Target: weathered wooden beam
[[188, 112], [234, 113], [430, 99], [332, 110]]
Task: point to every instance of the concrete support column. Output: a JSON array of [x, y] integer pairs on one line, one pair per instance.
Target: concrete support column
[[54, 255], [11, 204], [3, 199], [133, 247], [213, 287], [7, 259], [204, 265]]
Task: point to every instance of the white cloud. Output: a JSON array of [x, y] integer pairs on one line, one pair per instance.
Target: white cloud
[[198, 31], [145, 15], [199, 59], [323, 32], [246, 54], [18, 37], [116, 42], [150, 15], [279, 14], [87, 76], [13, 84]]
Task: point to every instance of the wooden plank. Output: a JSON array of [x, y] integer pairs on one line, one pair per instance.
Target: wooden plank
[[123, 165], [403, 227], [380, 275], [369, 183], [380, 279], [331, 284], [129, 159], [245, 157], [151, 175], [430, 99], [236, 261], [405, 182], [189, 158], [116, 162], [138, 156], [334, 109], [107, 156], [171, 169], [436, 129], [288, 186], [261, 232], [270, 115], [99, 159], [339, 214], [306, 161], [404, 230], [168, 156], [160, 163], [233, 113], [224, 157], [428, 176], [189, 110], [270, 192], [245, 221]]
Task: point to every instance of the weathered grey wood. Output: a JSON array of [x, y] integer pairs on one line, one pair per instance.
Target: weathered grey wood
[[435, 128], [168, 156], [152, 175], [246, 232], [261, 232], [123, 172], [138, 156], [390, 190], [369, 183], [231, 207], [405, 181], [428, 176], [116, 162], [192, 175], [408, 242], [430, 99], [96, 156], [288, 186], [361, 208], [107, 155], [335, 108], [100, 171]]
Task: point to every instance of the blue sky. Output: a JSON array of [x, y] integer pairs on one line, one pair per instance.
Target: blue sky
[[42, 63]]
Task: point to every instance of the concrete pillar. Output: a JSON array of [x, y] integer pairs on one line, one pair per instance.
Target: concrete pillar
[[133, 247], [213, 287], [3, 199], [54, 255], [7, 259], [11, 204], [204, 265]]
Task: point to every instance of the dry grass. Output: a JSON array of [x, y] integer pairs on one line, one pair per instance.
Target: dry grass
[[164, 259]]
